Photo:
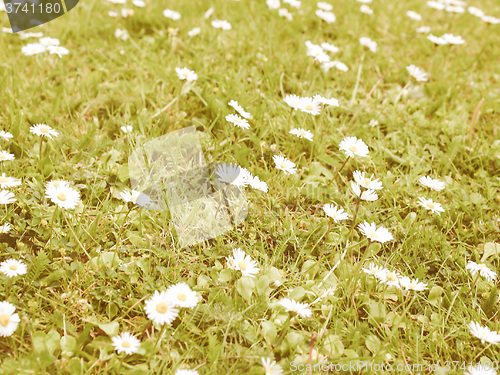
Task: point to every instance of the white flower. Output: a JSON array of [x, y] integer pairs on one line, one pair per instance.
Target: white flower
[[302, 133], [6, 197], [366, 195], [273, 4], [431, 183], [12, 267], [414, 15], [238, 121], [5, 228], [428, 204], [370, 44], [33, 49], [47, 41], [139, 3], [64, 196], [271, 367], [185, 73], [121, 2], [373, 123], [326, 101], [330, 47], [436, 5], [5, 135], [54, 184], [161, 309], [256, 183], [423, 29], [221, 24], [366, 9], [483, 270], [453, 39], [364, 1], [317, 52], [186, 372], [27, 35], [335, 213], [367, 182], [241, 262], [293, 3], [126, 343], [4, 155], [437, 39], [112, 13], [284, 164], [334, 64], [301, 309], [233, 174], [130, 196], [311, 106], [182, 295], [7, 30], [390, 278], [58, 50], [126, 128], [239, 109], [326, 16], [172, 14], [325, 6], [283, 12], [121, 34], [8, 319], [371, 231], [491, 19], [373, 269], [481, 369], [417, 73], [194, 31], [293, 101], [410, 284], [126, 12], [208, 13], [476, 12], [44, 130], [484, 333], [454, 9], [353, 146], [8, 182]]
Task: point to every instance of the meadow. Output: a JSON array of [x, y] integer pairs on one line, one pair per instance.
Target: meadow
[[365, 138]]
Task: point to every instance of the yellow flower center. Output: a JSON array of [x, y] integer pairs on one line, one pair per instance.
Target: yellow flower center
[[430, 205], [126, 344], [62, 197], [391, 276], [4, 319], [412, 286], [243, 265], [185, 74], [44, 129], [3, 180], [181, 297], [353, 148], [13, 267], [162, 307], [372, 234], [3, 157], [483, 266], [309, 107]]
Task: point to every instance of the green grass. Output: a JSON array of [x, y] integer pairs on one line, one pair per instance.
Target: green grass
[[105, 83]]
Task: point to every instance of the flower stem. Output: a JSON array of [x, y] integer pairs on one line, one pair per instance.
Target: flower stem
[[283, 332], [401, 92], [75, 236], [342, 166], [40, 156]]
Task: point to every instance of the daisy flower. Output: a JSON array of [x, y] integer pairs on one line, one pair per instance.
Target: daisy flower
[[311, 106], [373, 269], [127, 343], [186, 372], [431, 183], [8, 182], [161, 309], [317, 52], [330, 47], [121, 2], [126, 12], [334, 64], [367, 182], [293, 101], [453, 39], [353, 146], [325, 6], [256, 183], [238, 121], [326, 101], [233, 174], [194, 31], [5, 135], [337, 214], [58, 50], [476, 12], [480, 370], [27, 35], [302, 133], [483, 270], [208, 13], [366, 195], [121, 34], [454, 9], [414, 15], [273, 4], [293, 3], [271, 367], [221, 24], [239, 109], [371, 231], [130, 196], [428, 204], [54, 184], [436, 5], [423, 29], [5, 228], [172, 14], [12, 267], [48, 41], [242, 262], [491, 19], [484, 333], [284, 164], [366, 9], [127, 128], [417, 73], [326, 16], [8, 319], [373, 123], [44, 130], [390, 278], [64, 196], [370, 44], [301, 309], [182, 295], [185, 73], [139, 3], [6, 197], [283, 12], [414, 285], [4, 155]]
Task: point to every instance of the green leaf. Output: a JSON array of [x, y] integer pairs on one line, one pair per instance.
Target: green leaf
[[111, 329], [298, 293], [434, 297], [373, 343], [68, 345], [225, 275], [245, 287], [490, 248], [377, 311], [334, 346], [269, 330], [263, 285]]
